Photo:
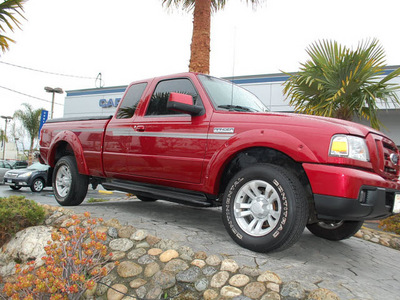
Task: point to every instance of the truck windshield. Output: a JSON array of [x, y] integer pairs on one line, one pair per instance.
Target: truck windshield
[[227, 96]]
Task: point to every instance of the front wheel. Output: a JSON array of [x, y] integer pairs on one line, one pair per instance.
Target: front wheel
[[265, 208], [37, 185], [70, 187], [335, 230]]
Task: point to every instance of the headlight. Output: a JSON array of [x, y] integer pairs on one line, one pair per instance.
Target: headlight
[[24, 175], [349, 146]]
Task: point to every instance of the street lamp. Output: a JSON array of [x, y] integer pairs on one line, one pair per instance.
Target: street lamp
[[7, 119], [53, 91]]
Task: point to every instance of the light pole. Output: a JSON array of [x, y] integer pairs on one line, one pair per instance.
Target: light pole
[[53, 91], [7, 119]]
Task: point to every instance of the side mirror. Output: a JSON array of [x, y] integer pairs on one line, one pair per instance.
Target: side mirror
[[183, 103]]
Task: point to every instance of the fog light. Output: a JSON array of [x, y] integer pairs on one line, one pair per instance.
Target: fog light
[[363, 197]]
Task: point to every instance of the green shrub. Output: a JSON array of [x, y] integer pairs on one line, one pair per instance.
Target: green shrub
[[391, 224], [17, 213]]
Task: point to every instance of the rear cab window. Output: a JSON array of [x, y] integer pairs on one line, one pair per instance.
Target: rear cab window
[[131, 100]]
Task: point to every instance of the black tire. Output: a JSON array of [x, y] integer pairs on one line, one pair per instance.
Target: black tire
[[70, 187], [146, 199], [335, 230], [15, 188], [280, 217], [37, 185]]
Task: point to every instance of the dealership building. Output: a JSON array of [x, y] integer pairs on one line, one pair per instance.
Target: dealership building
[[268, 87]]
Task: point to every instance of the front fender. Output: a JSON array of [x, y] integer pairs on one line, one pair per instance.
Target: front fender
[[73, 141], [273, 139]]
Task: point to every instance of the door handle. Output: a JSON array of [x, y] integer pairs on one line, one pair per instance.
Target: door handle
[[139, 128]]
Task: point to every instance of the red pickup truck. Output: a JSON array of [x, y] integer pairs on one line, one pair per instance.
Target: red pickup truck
[[196, 139]]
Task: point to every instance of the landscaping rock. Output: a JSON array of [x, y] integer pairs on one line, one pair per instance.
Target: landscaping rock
[[176, 265], [164, 279], [322, 294], [168, 255], [129, 269], [229, 265], [239, 280], [27, 245], [254, 290], [230, 292], [136, 253], [139, 235], [219, 279], [126, 231], [293, 289], [189, 275], [117, 292], [122, 244]]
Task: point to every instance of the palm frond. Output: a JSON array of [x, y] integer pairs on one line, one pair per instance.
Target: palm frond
[[337, 81], [216, 5], [8, 9]]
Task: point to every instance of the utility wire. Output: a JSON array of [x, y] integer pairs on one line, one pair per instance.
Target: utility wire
[[46, 72], [14, 91]]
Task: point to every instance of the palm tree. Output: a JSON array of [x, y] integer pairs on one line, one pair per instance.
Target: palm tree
[[7, 18], [3, 138], [200, 47], [30, 119], [343, 83], [3, 135]]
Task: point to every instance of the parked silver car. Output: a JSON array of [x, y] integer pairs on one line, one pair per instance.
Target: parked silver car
[[4, 167], [35, 176]]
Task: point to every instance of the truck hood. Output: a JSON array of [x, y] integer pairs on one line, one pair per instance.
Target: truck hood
[[316, 121]]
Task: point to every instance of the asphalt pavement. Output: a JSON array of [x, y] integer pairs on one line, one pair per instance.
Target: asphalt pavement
[[353, 268]]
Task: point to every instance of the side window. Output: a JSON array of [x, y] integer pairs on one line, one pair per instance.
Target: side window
[[159, 99], [131, 101]]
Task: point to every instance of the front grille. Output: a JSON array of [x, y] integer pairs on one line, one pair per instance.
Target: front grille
[[12, 175], [386, 166]]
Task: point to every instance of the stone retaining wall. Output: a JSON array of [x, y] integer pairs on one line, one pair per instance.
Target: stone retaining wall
[[379, 237], [154, 268]]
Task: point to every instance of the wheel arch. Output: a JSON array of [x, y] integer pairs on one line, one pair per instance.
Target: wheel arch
[[67, 143], [257, 146], [255, 155]]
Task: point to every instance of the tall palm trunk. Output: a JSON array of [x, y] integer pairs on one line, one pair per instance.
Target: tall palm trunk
[[200, 47]]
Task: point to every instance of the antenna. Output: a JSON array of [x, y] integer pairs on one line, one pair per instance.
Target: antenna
[[233, 60]]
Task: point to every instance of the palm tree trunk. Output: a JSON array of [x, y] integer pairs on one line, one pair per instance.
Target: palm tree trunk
[[200, 47], [30, 155], [344, 113]]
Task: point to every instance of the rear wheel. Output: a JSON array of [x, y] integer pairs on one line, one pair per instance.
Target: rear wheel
[[335, 230], [265, 208], [70, 187], [37, 185]]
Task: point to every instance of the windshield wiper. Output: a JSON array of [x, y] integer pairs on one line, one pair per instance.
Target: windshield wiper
[[237, 108]]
